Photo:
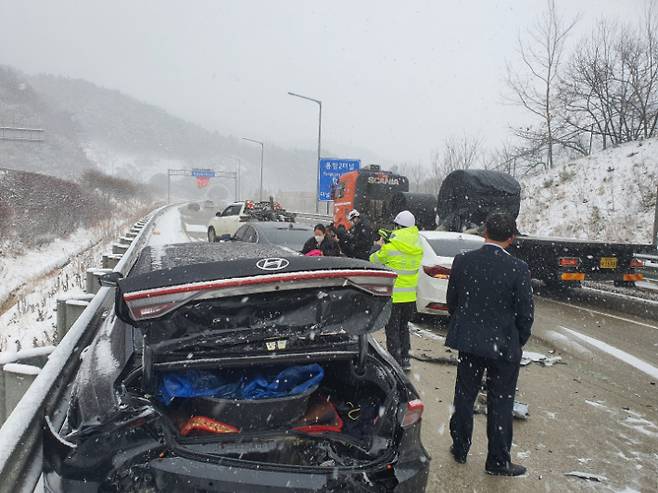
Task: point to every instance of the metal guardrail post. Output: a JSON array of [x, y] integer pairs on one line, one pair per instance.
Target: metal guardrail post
[[68, 311], [17, 378], [92, 283], [35, 357], [119, 248], [110, 260]]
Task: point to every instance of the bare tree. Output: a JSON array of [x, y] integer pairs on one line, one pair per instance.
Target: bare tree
[[534, 88], [415, 173], [456, 153], [611, 89]]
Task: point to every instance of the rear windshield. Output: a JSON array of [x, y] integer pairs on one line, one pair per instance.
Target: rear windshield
[[290, 238], [304, 312], [450, 247]]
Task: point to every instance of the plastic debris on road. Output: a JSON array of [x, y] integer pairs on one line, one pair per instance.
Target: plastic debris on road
[[532, 357]]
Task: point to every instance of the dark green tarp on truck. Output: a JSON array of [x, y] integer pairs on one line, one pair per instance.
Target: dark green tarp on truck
[[466, 198]]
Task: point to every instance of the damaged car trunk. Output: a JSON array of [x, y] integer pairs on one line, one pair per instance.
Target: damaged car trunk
[[259, 373]]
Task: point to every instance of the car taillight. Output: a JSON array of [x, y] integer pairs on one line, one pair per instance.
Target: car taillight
[[437, 271], [636, 263], [569, 261], [412, 413]]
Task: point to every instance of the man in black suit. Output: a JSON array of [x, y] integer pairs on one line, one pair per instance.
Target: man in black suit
[[491, 313]]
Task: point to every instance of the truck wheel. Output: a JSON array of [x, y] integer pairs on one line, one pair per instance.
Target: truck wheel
[[212, 237], [624, 284]]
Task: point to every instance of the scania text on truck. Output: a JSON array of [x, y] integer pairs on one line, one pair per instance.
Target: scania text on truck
[[368, 190]]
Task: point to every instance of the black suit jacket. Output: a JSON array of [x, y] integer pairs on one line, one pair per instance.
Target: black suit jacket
[[490, 303]]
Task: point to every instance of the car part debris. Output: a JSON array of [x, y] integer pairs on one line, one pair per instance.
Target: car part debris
[[520, 410], [442, 360], [533, 357], [586, 476]]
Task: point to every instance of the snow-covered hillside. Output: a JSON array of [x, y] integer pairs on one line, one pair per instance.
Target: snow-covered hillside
[[610, 195]]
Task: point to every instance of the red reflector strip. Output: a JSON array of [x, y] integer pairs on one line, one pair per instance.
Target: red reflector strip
[[569, 261], [437, 306], [572, 276], [633, 277], [249, 281]]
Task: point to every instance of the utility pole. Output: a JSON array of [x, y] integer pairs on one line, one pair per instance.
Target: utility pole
[[317, 171], [237, 180], [260, 193], [654, 239]]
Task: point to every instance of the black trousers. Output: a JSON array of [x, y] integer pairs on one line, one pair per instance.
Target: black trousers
[[501, 388], [397, 331]]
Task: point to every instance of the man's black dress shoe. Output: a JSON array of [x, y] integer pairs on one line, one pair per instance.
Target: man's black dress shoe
[[508, 469]]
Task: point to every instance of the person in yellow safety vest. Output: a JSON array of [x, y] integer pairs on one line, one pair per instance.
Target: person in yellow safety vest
[[403, 253]]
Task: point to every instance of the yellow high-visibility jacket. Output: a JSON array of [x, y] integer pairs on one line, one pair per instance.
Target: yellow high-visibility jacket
[[403, 254]]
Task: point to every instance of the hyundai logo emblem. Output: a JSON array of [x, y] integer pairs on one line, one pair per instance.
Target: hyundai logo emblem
[[272, 264]]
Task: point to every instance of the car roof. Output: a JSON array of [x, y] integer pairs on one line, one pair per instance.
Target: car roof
[[444, 235], [279, 225]]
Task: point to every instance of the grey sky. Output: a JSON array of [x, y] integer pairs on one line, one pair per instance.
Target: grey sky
[[395, 77]]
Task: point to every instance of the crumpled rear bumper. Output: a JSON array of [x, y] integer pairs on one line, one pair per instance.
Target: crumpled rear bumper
[[180, 474]]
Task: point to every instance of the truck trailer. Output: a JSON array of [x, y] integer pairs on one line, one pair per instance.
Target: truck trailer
[[466, 198]]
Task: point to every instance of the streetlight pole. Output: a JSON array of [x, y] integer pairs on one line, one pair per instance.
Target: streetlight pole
[[262, 146], [317, 185], [237, 180]]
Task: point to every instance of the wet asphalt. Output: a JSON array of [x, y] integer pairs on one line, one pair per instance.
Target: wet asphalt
[[592, 412]]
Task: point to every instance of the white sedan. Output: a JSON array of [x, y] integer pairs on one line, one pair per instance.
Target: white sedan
[[439, 250]]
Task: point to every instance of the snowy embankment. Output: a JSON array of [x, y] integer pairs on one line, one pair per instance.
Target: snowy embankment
[[33, 263], [31, 282], [607, 196], [38, 277]]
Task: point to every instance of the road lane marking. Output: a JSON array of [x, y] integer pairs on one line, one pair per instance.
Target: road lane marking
[[624, 319], [627, 358]]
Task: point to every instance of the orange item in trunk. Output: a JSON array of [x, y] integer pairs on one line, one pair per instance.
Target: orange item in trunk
[[207, 425], [320, 417]]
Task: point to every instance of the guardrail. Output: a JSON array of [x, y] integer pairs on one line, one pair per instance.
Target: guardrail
[[324, 218], [650, 269], [21, 458]]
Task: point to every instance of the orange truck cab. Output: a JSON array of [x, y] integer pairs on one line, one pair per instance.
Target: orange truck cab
[[369, 191]]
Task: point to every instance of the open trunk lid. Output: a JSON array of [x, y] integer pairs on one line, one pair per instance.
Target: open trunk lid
[[255, 311]]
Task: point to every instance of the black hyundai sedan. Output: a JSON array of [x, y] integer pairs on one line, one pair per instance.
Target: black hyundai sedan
[[235, 368]]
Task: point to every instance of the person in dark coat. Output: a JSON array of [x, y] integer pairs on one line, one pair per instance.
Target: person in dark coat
[[491, 314], [321, 241], [358, 240]]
